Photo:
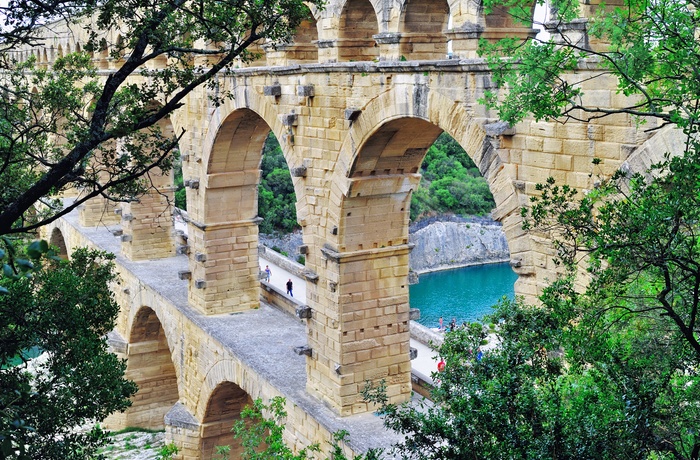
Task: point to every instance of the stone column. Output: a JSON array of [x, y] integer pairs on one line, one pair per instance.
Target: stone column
[[224, 266], [147, 225], [362, 334]]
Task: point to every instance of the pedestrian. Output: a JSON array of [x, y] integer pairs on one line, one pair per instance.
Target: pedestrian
[[268, 273], [289, 288], [441, 365], [453, 324], [441, 326]]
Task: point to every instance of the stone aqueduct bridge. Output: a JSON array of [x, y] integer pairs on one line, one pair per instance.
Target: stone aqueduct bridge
[[356, 101]]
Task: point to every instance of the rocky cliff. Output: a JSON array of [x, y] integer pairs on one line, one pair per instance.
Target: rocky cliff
[[441, 245]]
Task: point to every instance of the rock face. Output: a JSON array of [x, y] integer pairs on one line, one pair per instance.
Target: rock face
[[442, 245]]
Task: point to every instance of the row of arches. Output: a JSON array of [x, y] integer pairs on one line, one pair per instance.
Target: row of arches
[[347, 30]]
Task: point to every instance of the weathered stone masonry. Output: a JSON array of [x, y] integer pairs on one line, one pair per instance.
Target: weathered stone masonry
[[355, 101]]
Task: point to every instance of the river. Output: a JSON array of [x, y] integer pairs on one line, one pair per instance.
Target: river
[[466, 294]]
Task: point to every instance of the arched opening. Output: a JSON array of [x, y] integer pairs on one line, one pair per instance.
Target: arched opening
[[228, 211], [59, 52], [150, 365], [223, 410], [358, 25], [59, 242], [423, 24]]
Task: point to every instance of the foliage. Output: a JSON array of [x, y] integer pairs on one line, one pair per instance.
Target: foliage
[[66, 309], [167, 452], [451, 183], [606, 367], [276, 197], [260, 433], [651, 47], [59, 126]]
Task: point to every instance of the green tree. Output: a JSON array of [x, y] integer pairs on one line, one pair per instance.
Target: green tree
[[66, 309], [59, 126], [276, 197], [606, 366]]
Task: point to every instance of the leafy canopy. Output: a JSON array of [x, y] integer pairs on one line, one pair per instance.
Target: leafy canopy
[[59, 126]]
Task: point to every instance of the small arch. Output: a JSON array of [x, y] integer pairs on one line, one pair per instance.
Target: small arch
[[59, 52], [223, 410], [423, 26], [57, 240], [150, 366], [358, 25]]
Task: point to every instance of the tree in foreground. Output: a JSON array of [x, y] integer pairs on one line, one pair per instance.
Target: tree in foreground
[[65, 309], [606, 366], [59, 126]]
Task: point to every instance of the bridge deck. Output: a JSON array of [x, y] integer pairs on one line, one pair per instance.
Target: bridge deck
[[262, 339]]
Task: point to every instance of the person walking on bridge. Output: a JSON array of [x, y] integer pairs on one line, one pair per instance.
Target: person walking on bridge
[[289, 288], [268, 273]]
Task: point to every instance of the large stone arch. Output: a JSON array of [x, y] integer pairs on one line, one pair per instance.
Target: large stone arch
[[223, 230], [150, 366]]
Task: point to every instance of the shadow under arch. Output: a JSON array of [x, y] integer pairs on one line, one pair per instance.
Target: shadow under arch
[[57, 239], [223, 409], [150, 366]]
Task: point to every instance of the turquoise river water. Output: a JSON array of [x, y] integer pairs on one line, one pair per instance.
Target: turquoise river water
[[465, 294]]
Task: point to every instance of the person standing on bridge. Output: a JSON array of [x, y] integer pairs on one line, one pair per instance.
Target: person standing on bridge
[[268, 273], [289, 288]]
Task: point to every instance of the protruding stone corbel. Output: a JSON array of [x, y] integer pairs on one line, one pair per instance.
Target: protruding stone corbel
[[352, 114], [193, 184], [305, 90], [289, 119], [200, 284], [303, 249], [118, 211], [117, 232], [413, 353], [183, 249], [126, 238], [303, 350], [200, 257], [414, 314], [303, 312], [299, 171], [273, 90], [127, 217], [311, 276], [184, 274]]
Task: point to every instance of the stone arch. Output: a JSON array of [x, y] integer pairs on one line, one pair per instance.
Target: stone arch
[[422, 28], [356, 29], [59, 52], [667, 140], [223, 209], [469, 131], [59, 241], [223, 409], [150, 365]]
